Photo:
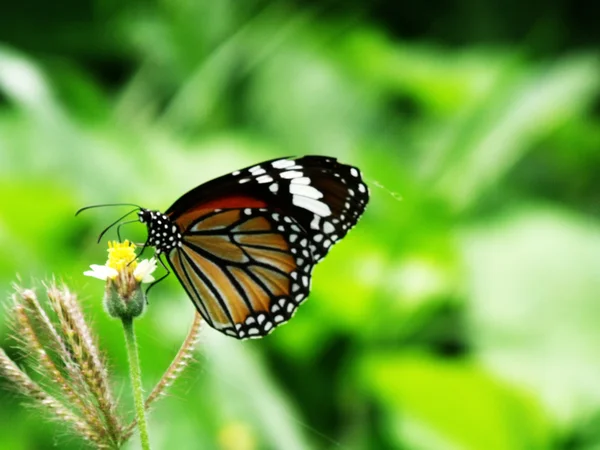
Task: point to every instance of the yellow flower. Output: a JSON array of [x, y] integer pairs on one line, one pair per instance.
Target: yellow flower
[[121, 255], [123, 275], [123, 260]]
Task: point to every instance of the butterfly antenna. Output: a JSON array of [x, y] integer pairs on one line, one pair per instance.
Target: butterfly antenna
[[116, 222], [395, 195], [106, 204], [124, 223]]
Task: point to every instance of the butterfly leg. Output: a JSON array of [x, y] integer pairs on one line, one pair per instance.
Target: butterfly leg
[[140, 254], [144, 248], [160, 279]]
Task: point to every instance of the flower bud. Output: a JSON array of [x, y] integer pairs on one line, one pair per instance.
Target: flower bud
[[123, 303]]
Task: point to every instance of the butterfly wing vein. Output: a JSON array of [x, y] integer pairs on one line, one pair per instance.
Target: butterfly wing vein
[[246, 277]]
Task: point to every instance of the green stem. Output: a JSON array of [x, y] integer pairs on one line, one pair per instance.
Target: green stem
[[136, 382]]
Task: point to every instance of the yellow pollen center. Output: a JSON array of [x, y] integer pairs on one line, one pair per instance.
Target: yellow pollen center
[[121, 256]]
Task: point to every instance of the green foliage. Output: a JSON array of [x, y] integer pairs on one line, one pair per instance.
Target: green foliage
[[461, 313]]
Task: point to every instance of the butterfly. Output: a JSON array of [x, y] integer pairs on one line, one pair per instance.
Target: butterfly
[[244, 245]]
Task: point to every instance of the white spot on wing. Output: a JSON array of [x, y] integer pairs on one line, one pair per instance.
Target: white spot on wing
[[282, 163], [314, 224], [353, 172], [328, 228], [305, 191], [274, 188], [312, 205], [301, 180], [291, 174], [264, 179]]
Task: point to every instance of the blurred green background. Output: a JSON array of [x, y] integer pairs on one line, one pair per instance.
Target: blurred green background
[[464, 310]]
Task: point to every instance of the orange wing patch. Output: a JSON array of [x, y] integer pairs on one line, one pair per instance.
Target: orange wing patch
[[248, 278], [219, 245], [205, 301], [258, 298], [216, 221], [254, 224], [263, 240], [277, 283], [227, 292], [283, 261], [230, 204]]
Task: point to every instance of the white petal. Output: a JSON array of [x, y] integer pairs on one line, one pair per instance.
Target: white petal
[[101, 272], [148, 279], [143, 271], [91, 273]]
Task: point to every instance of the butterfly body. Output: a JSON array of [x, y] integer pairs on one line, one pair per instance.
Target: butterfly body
[[244, 245], [163, 234]]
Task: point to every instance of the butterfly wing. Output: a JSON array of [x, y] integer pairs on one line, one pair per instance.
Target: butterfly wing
[[250, 239], [325, 197], [245, 269]]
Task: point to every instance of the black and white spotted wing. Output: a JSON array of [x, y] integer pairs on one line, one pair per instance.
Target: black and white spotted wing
[[323, 195], [244, 245]]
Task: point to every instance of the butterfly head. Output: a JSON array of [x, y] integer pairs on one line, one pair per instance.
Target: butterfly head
[[163, 234]]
